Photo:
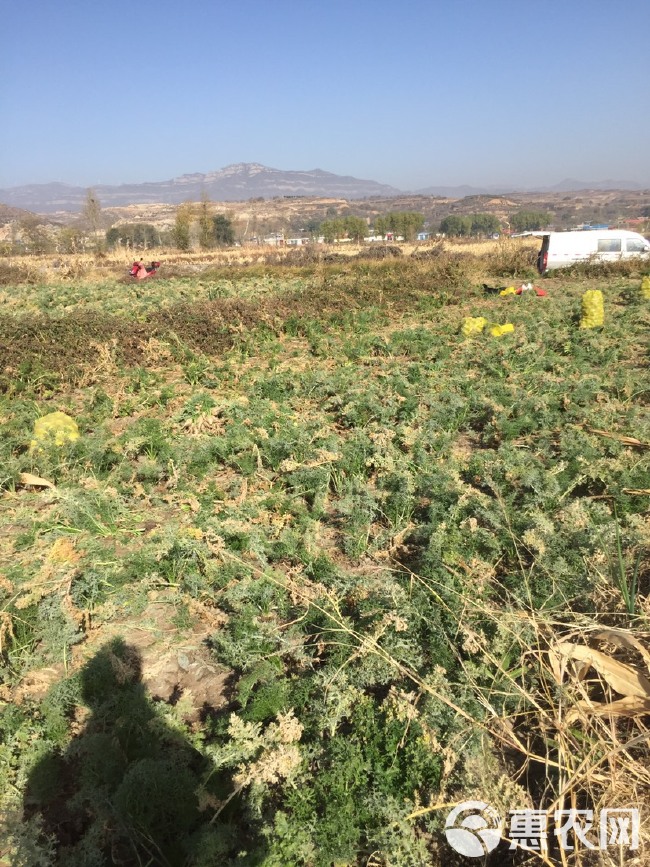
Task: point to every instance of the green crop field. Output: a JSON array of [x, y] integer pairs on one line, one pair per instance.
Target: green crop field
[[317, 567]]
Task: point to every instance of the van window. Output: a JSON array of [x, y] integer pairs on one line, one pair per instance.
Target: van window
[[635, 245], [609, 245]]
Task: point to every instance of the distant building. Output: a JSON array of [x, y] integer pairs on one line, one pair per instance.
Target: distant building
[[389, 236]]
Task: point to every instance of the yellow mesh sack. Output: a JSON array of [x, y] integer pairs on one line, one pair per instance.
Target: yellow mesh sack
[[473, 325], [593, 310], [500, 330], [56, 428], [509, 290], [645, 288]]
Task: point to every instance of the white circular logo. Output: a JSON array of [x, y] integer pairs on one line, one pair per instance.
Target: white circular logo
[[478, 833]]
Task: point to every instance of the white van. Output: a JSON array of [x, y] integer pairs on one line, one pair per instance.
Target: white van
[[561, 249]]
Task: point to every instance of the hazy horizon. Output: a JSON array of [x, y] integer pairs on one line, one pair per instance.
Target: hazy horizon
[[500, 95], [489, 188]]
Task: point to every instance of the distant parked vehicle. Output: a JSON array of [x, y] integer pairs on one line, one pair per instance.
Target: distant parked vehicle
[[562, 249]]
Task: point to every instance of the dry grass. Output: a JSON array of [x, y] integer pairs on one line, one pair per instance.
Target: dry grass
[[64, 267], [584, 696], [50, 268], [592, 697]]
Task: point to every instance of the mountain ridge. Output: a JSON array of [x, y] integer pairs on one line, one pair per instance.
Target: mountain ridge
[[242, 181], [237, 182], [568, 185]]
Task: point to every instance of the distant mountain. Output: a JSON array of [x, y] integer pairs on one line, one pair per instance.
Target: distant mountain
[[9, 214], [242, 181], [234, 183], [568, 185], [459, 192]]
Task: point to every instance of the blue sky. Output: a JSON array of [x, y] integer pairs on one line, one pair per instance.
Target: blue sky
[[410, 93]]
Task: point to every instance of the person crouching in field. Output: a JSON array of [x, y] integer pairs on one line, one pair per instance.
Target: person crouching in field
[[140, 271]]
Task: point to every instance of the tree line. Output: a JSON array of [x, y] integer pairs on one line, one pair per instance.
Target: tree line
[[196, 224], [401, 224], [477, 225]]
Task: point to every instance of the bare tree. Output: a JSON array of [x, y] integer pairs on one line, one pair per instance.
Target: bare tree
[[92, 214]]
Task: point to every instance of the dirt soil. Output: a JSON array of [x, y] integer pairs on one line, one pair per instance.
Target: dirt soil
[[173, 666]]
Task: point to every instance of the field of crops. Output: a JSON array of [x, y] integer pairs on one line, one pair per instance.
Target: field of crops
[[313, 567]]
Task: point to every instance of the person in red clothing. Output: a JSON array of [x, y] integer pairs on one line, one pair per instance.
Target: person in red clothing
[[140, 271]]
